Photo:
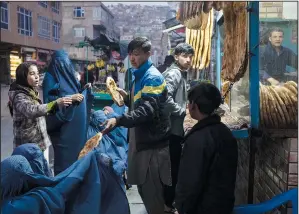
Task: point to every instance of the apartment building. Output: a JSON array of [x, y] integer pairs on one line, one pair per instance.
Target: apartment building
[[89, 19], [30, 31]]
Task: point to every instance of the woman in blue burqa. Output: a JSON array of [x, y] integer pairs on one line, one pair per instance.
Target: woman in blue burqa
[[113, 144], [87, 186], [67, 128]]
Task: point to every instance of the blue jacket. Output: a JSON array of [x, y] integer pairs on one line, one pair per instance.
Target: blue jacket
[[147, 114]]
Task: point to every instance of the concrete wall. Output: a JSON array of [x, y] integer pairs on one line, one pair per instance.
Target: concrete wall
[[12, 36], [87, 22]]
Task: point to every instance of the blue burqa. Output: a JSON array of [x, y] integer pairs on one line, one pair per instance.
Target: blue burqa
[[87, 186], [35, 157], [68, 127], [112, 144]]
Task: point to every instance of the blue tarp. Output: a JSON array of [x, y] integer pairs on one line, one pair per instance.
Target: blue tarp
[[87, 186], [68, 127]]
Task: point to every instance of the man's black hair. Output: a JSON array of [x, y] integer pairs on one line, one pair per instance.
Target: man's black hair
[[183, 48], [140, 42], [206, 96], [169, 59], [275, 29]]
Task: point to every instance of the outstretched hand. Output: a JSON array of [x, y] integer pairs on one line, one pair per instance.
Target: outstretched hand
[[122, 92], [109, 125]]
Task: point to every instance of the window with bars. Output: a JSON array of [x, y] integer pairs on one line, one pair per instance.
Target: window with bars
[[24, 22], [4, 15], [44, 27], [56, 31], [55, 6], [43, 4], [79, 32], [79, 12]]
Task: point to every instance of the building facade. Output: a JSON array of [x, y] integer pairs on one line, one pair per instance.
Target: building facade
[[89, 19], [30, 31]]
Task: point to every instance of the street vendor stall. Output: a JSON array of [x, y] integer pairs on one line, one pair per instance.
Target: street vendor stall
[[104, 46], [262, 115]]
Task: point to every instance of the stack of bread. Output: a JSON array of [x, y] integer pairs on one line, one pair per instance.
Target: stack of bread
[[279, 106]]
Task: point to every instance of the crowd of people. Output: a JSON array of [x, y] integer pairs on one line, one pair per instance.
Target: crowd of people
[[175, 172]]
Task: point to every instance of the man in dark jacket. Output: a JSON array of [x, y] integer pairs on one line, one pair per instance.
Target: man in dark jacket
[[148, 156], [207, 172], [274, 58]]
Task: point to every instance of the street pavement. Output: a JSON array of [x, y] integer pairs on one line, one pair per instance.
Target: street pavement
[[135, 201]]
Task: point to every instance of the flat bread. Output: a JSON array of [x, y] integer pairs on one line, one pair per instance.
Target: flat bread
[[112, 89], [91, 144]]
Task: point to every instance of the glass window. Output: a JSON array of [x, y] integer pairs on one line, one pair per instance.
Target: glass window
[[43, 4], [55, 6], [79, 12], [97, 13], [278, 64], [79, 32], [24, 22], [4, 15], [56, 31], [44, 27]]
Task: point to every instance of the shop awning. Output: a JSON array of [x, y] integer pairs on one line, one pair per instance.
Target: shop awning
[[173, 28], [25, 49], [43, 51]]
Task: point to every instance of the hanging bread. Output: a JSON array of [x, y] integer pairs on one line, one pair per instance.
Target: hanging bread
[[207, 42], [196, 49], [210, 33], [201, 44]]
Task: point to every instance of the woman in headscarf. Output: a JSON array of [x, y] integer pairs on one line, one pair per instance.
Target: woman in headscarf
[[67, 128], [87, 186], [27, 110], [117, 152], [35, 157]]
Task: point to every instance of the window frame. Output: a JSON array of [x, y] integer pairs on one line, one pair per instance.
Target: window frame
[[56, 31], [7, 11], [43, 4], [98, 12], [42, 20], [76, 29], [55, 5], [27, 15], [76, 10]]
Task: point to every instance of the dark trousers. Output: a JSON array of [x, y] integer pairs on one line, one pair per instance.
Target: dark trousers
[[175, 150]]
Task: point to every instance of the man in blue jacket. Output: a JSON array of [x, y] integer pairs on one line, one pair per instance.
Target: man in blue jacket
[[148, 157]]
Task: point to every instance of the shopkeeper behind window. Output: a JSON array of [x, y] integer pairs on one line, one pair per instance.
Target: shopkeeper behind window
[[274, 58]]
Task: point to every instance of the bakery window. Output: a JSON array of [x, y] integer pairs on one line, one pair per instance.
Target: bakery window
[[278, 65]]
